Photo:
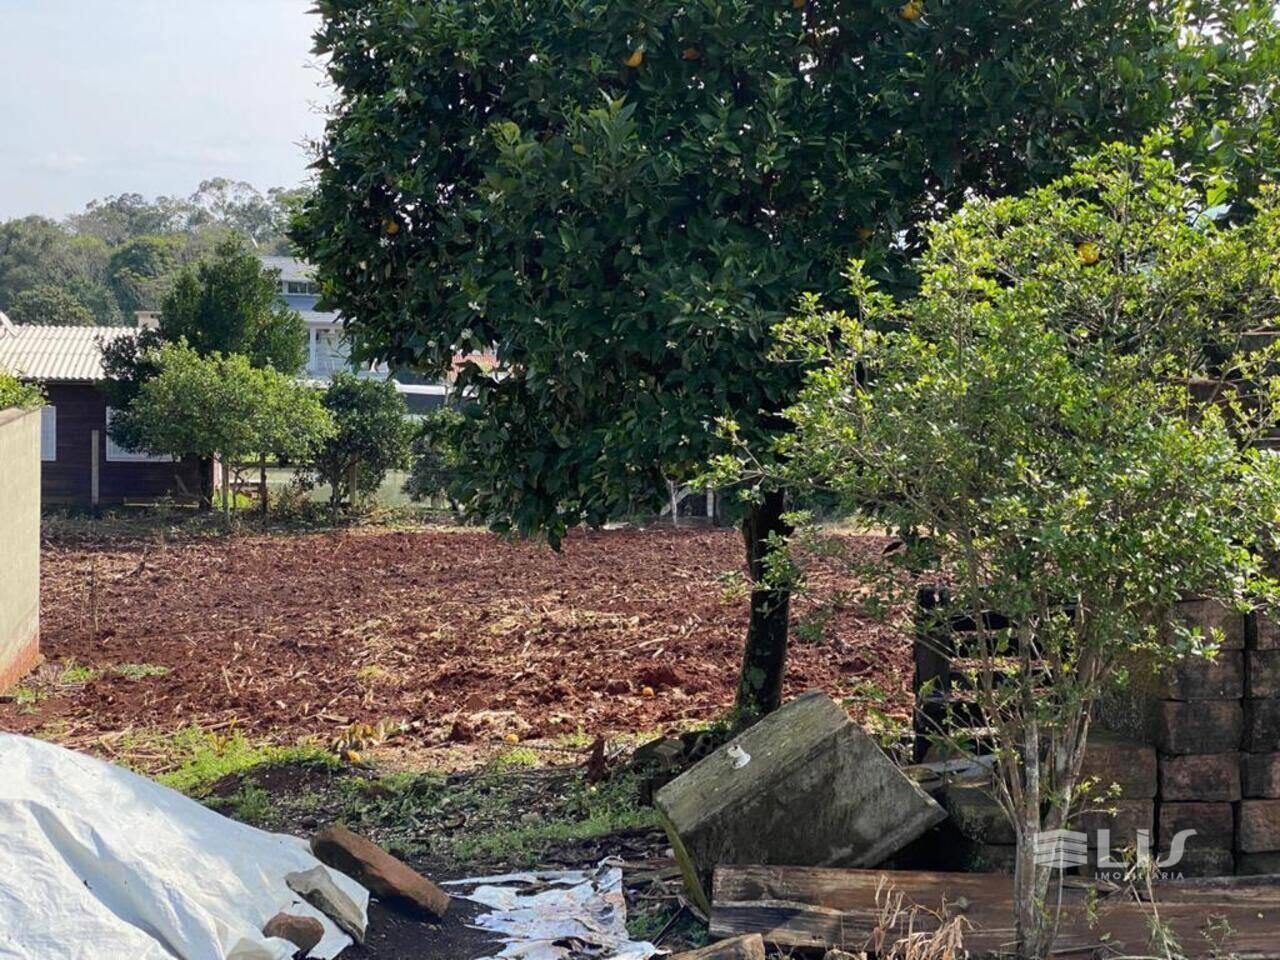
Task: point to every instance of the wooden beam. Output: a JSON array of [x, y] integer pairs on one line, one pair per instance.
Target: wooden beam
[[822, 907], [749, 947]]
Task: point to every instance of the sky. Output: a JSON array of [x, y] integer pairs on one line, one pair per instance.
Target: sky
[[100, 97]]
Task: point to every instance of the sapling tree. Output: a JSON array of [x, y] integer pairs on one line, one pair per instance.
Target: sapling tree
[[371, 436], [1062, 425], [223, 408]]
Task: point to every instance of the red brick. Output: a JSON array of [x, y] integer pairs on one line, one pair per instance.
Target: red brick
[[1205, 726], [1260, 775], [1200, 678], [1262, 726], [1204, 777], [1214, 824], [1264, 674], [1259, 827], [1208, 615], [1127, 764]]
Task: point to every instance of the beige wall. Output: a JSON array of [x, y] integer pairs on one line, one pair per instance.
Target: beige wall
[[19, 543]]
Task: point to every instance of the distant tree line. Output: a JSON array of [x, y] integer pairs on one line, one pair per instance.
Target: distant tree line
[[124, 253]]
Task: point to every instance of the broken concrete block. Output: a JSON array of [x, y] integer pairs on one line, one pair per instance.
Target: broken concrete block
[[305, 933], [804, 786], [748, 947], [387, 878], [317, 888], [976, 814]]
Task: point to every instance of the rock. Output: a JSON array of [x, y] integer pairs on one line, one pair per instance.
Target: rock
[[317, 888], [804, 786], [389, 879], [1261, 775], [303, 932], [1116, 761], [1203, 726], [976, 814], [748, 947], [1199, 678]]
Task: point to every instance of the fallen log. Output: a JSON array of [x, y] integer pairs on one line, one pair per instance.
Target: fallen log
[[748, 947], [820, 907]]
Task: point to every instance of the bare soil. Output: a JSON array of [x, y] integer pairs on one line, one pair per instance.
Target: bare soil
[[450, 636]]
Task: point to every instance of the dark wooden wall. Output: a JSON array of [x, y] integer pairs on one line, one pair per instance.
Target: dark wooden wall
[[82, 408]]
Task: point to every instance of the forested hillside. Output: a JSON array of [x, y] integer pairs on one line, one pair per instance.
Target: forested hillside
[[121, 253]]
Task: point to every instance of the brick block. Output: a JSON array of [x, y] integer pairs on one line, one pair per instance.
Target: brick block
[[1259, 827], [1203, 777], [1209, 615], [1205, 726], [1127, 764], [1199, 678], [1214, 824], [1265, 633], [1257, 864], [1124, 818], [1262, 726], [1264, 674], [1260, 775]]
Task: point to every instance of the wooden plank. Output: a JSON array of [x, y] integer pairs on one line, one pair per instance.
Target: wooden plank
[[748, 947], [822, 907]]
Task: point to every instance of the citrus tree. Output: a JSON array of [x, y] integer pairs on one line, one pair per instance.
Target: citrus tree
[[1063, 425], [371, 436], [222, 408], [622, 199]]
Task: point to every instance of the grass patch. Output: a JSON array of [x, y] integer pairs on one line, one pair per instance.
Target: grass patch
[[139, 671], [78, 674], [198, 759], [515, 759]]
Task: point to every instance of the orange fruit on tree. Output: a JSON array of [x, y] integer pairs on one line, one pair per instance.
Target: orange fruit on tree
[[636, 58], [799, 4], [1088, 253], [691, 53], [912, 10], [390, 227]]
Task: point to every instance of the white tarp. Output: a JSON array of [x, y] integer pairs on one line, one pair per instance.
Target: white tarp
[[557, 915], [97, 863]]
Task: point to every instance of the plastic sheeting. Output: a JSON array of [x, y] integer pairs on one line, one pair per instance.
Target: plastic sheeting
[[97, 863], [557, 915]]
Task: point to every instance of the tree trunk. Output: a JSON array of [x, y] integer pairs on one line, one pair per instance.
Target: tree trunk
[[262, 484], [226, 494], [765, 658], [206, 492]]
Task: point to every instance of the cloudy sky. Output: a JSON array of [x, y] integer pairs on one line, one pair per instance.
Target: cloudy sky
[[100, 97]]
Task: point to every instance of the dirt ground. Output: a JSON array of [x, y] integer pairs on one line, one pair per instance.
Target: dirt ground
[[433, 638]]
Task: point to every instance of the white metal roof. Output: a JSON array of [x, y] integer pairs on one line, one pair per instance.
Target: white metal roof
[[56, 353], [290, 268]]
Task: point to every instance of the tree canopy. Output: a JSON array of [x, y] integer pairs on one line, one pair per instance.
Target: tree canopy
[[227, 303], [221, 407], [371, 436], [622, 199]]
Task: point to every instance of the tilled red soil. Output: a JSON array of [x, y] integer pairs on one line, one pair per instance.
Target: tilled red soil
[[451, 632]]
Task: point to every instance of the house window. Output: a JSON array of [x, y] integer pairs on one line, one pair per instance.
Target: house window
[[48, 434], [118, 454]]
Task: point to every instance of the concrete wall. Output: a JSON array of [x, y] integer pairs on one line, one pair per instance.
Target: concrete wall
[[19, 543]]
